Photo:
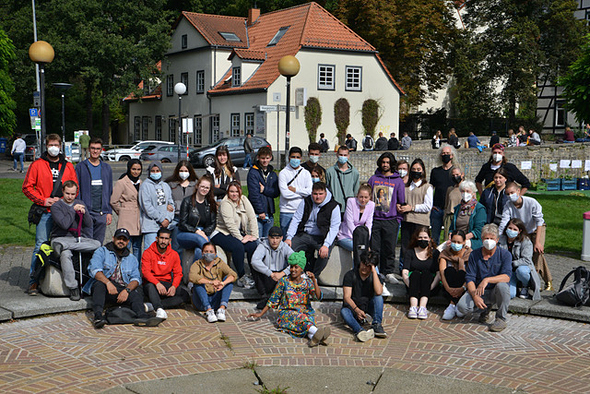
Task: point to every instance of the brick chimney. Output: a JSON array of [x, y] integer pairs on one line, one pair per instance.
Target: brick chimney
[[253, 15]]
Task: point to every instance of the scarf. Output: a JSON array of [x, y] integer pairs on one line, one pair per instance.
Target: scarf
[[467, 207], [134, 179]]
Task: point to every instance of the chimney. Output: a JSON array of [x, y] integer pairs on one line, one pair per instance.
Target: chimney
[[253, 15]]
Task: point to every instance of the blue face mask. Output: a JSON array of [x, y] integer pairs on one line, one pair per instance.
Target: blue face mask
[[315, 180], [456, 247], [295, 162], [511, 233], [342, 159], [156, 176]]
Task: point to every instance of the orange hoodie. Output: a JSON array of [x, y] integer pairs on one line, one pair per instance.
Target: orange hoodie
[[156, 267]]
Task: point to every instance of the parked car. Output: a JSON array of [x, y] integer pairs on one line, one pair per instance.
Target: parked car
[[125, 154], [165, 153], [205, 156]]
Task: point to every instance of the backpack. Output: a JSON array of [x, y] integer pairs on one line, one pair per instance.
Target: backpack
[[368, 142], [324, 145], [44, 257], [120, 315], [360, 243], [578, 293]]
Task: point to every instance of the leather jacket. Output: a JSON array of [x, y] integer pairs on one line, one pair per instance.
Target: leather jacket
[[190, 218]]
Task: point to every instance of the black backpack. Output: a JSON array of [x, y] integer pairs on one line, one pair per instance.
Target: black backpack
[[360, 243], [578, 293]]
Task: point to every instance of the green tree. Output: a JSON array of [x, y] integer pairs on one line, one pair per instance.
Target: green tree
[[7, 103], [370, 116], [341, 118], [313, 117], [576, 84]]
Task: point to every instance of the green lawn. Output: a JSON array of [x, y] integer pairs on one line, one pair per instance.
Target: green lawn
[[563, 214]]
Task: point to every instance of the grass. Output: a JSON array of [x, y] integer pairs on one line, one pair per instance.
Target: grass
[[226, 341], [14, 210]]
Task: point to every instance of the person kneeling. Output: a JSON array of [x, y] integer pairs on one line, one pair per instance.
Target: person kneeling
[[292, 297], [487, 275], [213, 281], [162, 273], [362, 299]]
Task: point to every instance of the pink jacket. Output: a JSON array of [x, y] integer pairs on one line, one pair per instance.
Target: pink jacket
[[351, 218]]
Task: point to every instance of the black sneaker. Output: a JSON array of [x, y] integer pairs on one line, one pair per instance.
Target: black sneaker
[[147, 322], [99, 321], [379, 331], [262, 303], [75, 294]]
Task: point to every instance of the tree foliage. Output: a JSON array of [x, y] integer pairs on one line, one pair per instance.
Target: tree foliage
[[576, 84], [341, 118], [313, 117], [7, 103], [370, 116]]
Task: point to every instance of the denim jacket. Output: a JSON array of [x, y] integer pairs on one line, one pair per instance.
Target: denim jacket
[[104, 260]]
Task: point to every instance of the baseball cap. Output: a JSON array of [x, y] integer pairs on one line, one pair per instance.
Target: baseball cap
[[122, 232]]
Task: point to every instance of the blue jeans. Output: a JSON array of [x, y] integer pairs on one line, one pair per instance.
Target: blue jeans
[[522, 274], [41, 235], [345, 243], [437, 217], [192, 241], [135, 246], [174, 241], [375, 310], [19, 157], [203, 301], [264, 226], [285, 220], [234, 246], [148, 239], [247, 160]]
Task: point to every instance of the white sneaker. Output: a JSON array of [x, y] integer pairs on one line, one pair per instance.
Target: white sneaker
[[450, 312], [413, 312], [391, 279], [221, 314], [422, 313], [365, 335], [148, 307], [385, 292], [244, 282], [211, 318], [161, 313]]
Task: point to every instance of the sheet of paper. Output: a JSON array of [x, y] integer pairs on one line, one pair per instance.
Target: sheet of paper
[[576, 163], [587, 165], [564, 163], [553, 166], [526, 165]]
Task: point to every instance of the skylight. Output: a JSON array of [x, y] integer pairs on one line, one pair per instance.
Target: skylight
[[230, 36], [275, 40]]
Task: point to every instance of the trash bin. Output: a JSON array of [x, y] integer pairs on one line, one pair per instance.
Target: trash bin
[[586, 237], [3, 143]]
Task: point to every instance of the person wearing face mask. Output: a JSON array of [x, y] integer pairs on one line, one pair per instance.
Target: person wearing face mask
[[294, 185], [182, 184], [452, 199], [524, 275], [263, 187], [403, 169], [441, 180], [318, 174], [314, 151], [420, 273], [417, 207], [213, 283], [488, 272], [359, 212], [156, 203], [342, 178], [469, 216], [530, 212], [451, 265], [388, 191], [485, 177], [494, 198], [41, 186], [125, 203]]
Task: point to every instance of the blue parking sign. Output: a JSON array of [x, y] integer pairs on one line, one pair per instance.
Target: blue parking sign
[[33, 112]]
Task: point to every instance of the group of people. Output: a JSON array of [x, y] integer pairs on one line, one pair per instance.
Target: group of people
[[318, 209], [370, 144]]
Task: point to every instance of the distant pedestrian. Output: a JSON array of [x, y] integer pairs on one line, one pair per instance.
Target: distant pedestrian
[[436, 140], [393, 143], [18, 152], [84, 141], [381, 143], [368, 143], [473, 141], [350, 142], [406, 141], [248, 151], [324, 144], [453, 140], [494, 139]]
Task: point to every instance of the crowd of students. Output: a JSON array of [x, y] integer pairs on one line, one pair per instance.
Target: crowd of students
[[318, 209]]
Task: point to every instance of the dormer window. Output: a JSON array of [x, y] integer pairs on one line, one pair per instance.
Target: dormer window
[[275, 40], [236, 76], [229, 36]]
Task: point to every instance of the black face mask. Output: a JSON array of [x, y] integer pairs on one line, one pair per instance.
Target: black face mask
[[416, 174], [457, 179], [423, 244], [446, 158]]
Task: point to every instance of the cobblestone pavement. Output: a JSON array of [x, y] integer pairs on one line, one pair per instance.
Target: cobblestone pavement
[[63, 353]]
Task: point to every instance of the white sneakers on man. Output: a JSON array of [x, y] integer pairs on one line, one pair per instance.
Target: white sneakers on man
[[161, 313]]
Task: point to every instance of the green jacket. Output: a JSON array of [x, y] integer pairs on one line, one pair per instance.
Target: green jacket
[[342, 185], [476, 223]]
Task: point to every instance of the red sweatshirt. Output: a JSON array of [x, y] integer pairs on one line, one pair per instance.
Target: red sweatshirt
[[38, 183], [156, 267]]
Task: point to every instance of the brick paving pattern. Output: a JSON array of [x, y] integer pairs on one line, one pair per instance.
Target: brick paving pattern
[[63, 353]]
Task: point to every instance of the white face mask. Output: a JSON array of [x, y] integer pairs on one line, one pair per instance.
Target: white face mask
[[466, 196], [53, 150], [403, 173], [314, 159], [513, 197], [184, 175], [489, 244], [497, 157]]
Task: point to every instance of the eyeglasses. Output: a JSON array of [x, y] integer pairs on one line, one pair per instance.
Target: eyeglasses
[[95, 148]]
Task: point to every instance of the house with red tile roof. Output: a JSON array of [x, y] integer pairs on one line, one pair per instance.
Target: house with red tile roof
[[230, 68]]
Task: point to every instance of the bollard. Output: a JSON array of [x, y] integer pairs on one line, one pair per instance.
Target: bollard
[[586, 237]]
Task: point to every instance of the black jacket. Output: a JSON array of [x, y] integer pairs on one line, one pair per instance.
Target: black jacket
[[190, 218], [381, 143], [393, 144], [486, 175]]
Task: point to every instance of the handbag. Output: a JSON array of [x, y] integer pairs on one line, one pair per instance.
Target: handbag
[[578, 293], [36, 211]]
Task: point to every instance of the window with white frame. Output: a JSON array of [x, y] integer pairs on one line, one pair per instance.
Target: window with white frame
[[326, 77], [200, 81], [158, 128], [214, 128], [136, 127], [235, 125], [144, 127], [184, 80], [198, 130], [172, 130], [249, 123], [236, 76], [354, 78], [170, 85]]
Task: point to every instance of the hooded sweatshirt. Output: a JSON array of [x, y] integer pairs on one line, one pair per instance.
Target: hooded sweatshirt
[[310, 226], [302, 183], [154, 198], [267, 260], [343, 185], [157, 267], [387, 192]]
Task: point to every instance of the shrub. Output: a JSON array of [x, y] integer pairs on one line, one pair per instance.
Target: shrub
[[370, 116], [341, 118], [313, 117]]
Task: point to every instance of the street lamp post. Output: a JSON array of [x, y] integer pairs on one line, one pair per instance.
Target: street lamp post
[[61, 88], [179, 89], [288, 67], [41, 52]]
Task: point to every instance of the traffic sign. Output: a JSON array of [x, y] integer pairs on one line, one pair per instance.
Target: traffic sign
[[33, 112]]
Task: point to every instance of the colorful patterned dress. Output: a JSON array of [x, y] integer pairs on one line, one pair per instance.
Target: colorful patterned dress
[[293, 302]]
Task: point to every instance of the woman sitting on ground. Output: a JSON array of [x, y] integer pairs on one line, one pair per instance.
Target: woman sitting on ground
[[469, 216], [292, 297], [223, 173], [213, 283], [359, 212], [198, 217], [515, 239], [451, 265], [420, 273], [237, 230]]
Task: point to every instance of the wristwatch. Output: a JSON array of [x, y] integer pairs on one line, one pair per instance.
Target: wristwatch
[[464, 288], [128, 290]]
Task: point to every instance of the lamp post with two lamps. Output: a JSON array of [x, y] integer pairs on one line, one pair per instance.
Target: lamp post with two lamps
[[180, 89], [288, 67], [41, 52]]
